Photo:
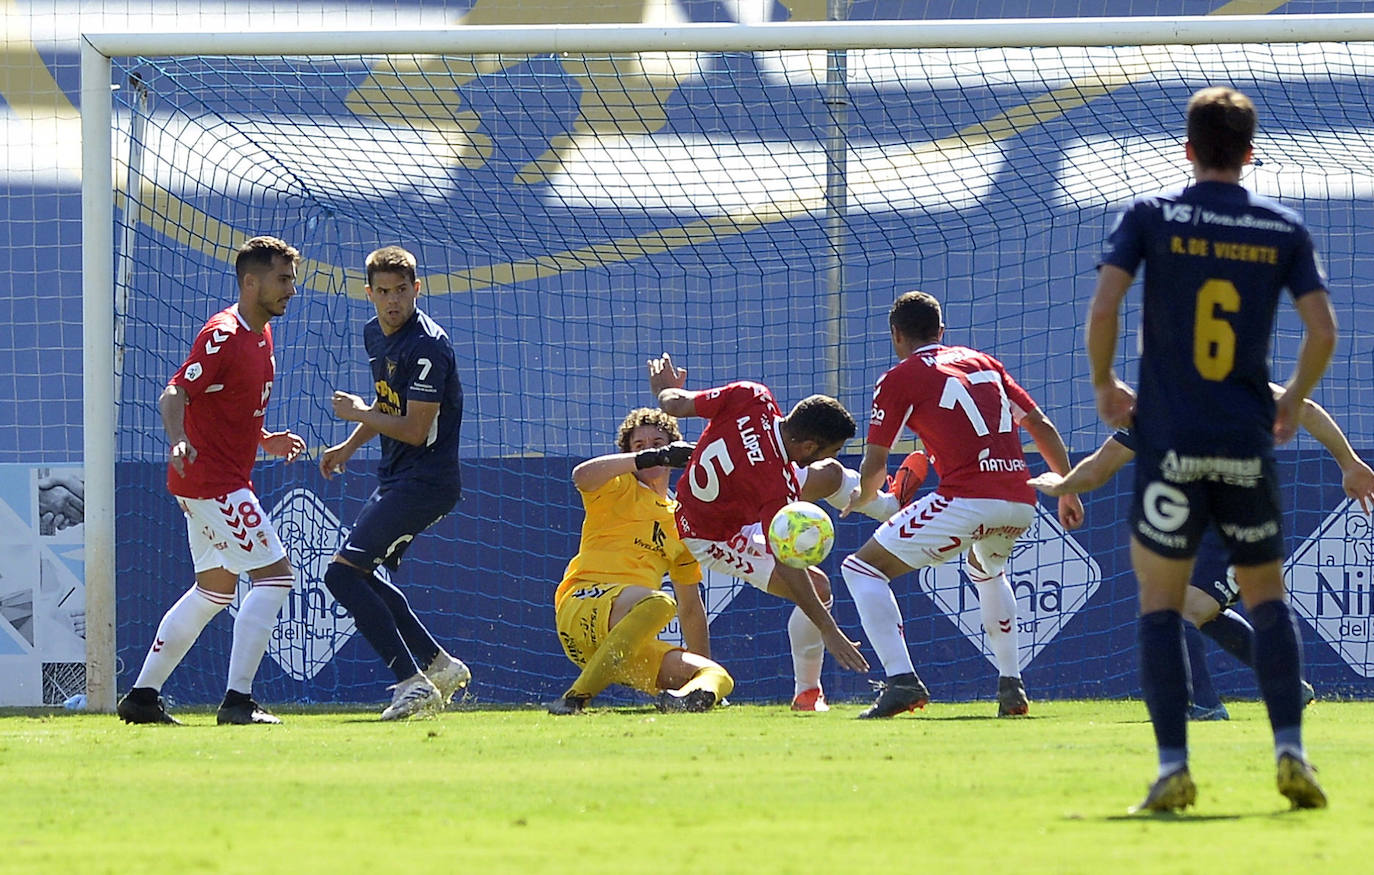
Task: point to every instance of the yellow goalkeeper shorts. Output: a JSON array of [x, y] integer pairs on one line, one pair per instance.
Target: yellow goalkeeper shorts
[[582, 626]]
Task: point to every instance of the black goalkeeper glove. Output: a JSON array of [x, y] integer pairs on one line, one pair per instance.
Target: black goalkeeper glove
[[675, 455]]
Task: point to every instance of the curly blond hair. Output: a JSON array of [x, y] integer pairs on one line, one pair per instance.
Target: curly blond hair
[[646, 416]]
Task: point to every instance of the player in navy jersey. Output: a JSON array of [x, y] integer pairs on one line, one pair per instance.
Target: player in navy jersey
[[1211, 594], [213, 410], [417, 411], [1216, 258]]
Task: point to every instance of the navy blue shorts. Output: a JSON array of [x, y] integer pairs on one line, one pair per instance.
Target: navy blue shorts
[[391, 519], [1177, 497], [1212, 575]]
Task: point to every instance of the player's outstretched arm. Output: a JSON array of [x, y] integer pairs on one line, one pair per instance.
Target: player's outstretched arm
[[1115, 400], [595, 473], [1089, 473], [1356, 477], [1314, 354]]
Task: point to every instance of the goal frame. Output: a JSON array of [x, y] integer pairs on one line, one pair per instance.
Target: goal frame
[[97, 162]]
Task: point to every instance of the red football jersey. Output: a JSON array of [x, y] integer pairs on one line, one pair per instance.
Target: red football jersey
[[739, 473], [965, 408], [227, 379]]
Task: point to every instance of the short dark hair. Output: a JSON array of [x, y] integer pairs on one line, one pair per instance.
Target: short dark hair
[[822, 419], [916, 316], [1221, 127], [646, 416], [391, 259], [257, 255]]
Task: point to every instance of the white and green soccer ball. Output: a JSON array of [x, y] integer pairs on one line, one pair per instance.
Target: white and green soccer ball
[[801, 534]]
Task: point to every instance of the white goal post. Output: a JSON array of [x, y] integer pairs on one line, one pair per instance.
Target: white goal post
[[99, 188]]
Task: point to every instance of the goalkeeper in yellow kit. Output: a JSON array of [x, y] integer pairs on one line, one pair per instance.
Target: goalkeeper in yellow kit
[[609, 606]]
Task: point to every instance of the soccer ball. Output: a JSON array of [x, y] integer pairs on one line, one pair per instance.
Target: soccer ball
[[801, 534]]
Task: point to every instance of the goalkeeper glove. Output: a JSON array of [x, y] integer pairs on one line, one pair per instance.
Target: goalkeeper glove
[[674, 455]]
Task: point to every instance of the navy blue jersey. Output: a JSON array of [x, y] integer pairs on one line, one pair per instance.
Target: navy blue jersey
[[1216, 257], [416, 363]]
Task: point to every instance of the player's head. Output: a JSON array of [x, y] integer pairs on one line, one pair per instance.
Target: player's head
[[266, 270], [392, 259], [816, 429], [1221, 129], [915, 318], [645, 428], [392, 287]]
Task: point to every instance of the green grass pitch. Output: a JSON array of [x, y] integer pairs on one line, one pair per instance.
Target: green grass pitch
[[743, 789]]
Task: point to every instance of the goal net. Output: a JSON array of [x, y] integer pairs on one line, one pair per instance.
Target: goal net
[[748, 199]]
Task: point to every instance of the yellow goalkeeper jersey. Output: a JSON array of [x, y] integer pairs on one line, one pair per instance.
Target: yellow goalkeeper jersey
[[628, 537]]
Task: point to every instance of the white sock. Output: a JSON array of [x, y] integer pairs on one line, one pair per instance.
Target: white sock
[[997, 605], [179, 629], [253, 626], [882, 621], [808, 650]]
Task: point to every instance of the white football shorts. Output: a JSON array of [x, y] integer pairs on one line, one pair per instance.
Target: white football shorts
[[936, 529], [231, 532], [744, 556]]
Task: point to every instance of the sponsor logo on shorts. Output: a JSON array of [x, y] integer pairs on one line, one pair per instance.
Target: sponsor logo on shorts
[[1251, 534], [1165, 508], [1150, 533], [591, 592], [1233, 472]]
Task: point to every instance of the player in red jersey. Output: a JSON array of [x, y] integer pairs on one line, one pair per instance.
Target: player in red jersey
[[213, 410], [965, 408], [741, 472]]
